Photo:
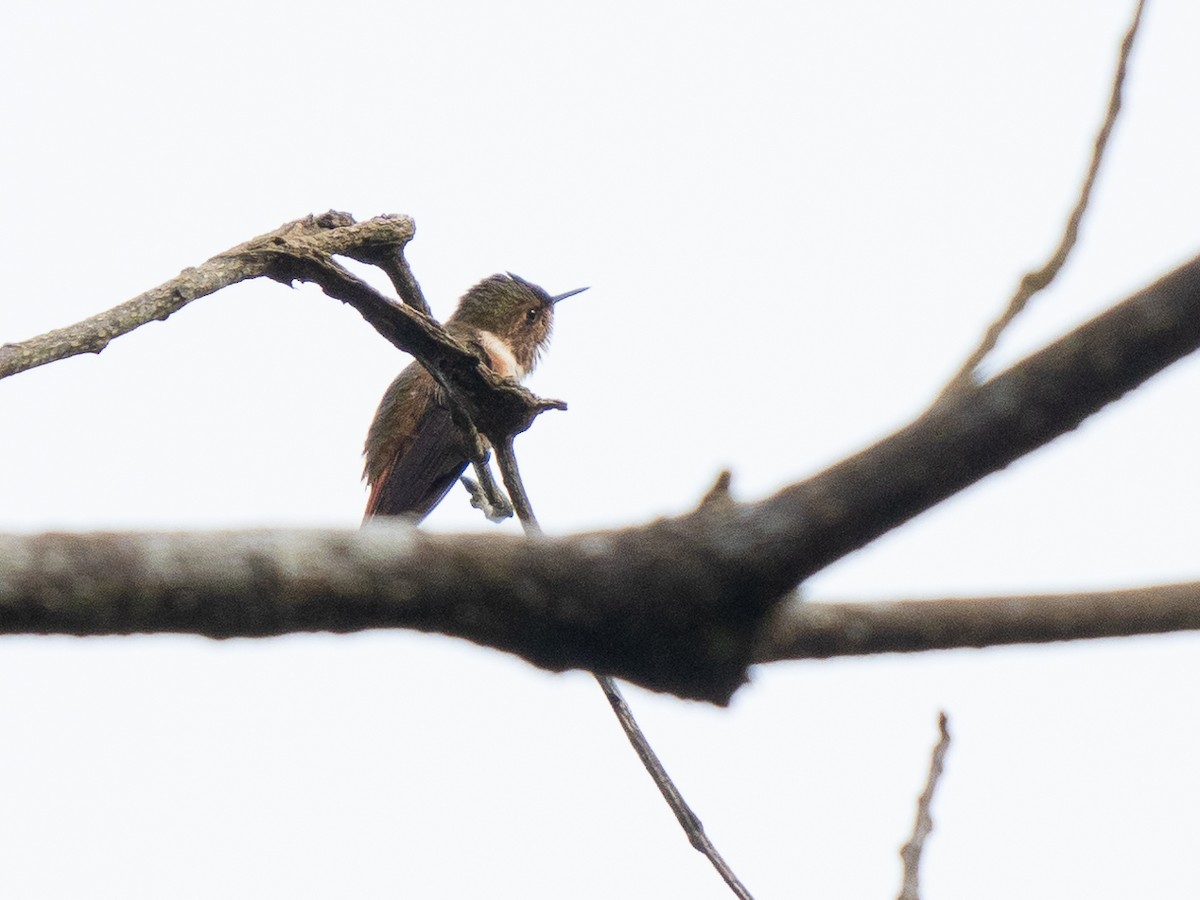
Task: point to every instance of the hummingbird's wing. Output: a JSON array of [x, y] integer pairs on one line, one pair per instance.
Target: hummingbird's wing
[[423, 470]]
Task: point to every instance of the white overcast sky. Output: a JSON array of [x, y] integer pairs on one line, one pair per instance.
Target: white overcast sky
[[795, 219]]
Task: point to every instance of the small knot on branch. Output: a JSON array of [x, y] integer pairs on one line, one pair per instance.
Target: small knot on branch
[[719, 492]]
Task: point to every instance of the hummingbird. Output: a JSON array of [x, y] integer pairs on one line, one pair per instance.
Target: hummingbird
[[414, 452]]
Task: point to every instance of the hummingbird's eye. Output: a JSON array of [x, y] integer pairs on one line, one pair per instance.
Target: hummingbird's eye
[[532, 314]]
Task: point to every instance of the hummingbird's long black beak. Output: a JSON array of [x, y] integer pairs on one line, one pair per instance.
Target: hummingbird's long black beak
[[567, 294]]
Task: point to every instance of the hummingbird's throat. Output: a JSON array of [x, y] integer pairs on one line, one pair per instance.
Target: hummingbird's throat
[[501, 359]]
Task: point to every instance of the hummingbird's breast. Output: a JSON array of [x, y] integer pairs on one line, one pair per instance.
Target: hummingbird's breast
[[501, 359]]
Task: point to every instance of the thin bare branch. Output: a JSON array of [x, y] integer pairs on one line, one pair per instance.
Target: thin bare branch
[[485, 493], [910, 853], [1039, 279], [688, 820], [506, 458], [389, 257], [331, 232], [814, 630]]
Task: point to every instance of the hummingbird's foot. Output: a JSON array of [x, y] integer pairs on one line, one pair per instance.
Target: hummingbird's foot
[[496, 509]]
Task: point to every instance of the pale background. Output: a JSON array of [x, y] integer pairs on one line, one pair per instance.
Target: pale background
[[795, 218]]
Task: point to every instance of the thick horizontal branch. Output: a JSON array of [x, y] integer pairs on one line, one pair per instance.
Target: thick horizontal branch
[[676, 605], [822, 630], [586, 602], [595, 602]]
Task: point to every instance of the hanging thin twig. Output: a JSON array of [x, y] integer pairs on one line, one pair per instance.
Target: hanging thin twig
[[688, 820]]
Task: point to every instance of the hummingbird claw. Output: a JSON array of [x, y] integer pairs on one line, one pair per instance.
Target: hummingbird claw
[[498, 511]]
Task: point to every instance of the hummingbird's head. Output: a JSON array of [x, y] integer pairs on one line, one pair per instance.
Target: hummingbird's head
[[516, 312]]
